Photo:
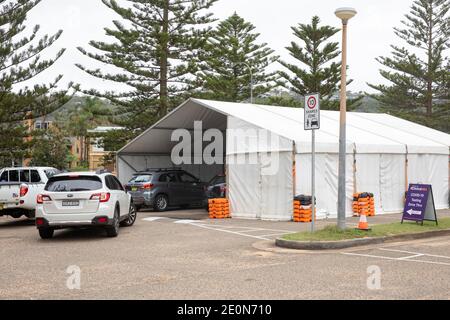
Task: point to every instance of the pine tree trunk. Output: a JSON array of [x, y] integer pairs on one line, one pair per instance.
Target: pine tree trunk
[[163, 95], [429, 96]]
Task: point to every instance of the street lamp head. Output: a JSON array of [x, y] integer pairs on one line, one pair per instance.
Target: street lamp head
[[345, 13]]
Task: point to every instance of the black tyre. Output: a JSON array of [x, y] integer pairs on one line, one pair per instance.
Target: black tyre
[[113, 231], [46, 233], [131, 219], [161, 202]]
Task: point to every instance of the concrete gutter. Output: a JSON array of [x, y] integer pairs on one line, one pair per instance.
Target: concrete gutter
[[340, 244]]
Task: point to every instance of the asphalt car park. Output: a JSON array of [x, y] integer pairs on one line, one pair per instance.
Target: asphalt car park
[[182, 254]]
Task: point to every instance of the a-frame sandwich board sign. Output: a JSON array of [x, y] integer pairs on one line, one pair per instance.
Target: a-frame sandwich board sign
[[419, 204]]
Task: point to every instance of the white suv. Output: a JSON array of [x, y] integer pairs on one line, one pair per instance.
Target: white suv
[[83, 199]]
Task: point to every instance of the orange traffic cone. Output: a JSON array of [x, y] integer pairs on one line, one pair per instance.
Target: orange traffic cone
[[363, 224]]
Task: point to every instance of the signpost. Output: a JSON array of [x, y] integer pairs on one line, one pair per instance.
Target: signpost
[[419, 204], [312, 122]]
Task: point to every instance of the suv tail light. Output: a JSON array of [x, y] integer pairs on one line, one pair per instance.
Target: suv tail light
[[42, 197], [147, 186], [23, 190], [102, 197]]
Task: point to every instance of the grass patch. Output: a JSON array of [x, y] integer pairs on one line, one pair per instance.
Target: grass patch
[[331, 233]]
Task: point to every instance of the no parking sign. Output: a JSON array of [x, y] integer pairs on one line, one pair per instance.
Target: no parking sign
[[312, 112]]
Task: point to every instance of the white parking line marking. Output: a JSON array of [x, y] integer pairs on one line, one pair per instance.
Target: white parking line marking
[[249, 229], [406, 258], [409, 257], [431, 262], [228, 231], [185, 221], [153, 218], [415, 253], [368, 255], [273, 234]]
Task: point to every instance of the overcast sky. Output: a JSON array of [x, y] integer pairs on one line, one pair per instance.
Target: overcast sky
[[370, 31]]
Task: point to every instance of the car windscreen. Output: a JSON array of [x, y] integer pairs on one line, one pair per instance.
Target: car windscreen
[[73, 183], [141, 178]]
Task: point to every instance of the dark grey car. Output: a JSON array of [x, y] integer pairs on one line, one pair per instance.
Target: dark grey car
[[161, 188]]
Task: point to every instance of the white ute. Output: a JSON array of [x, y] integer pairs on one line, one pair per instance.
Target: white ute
[[19, 188], [84, 199]]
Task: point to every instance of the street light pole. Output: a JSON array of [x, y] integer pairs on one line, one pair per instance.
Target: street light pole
[[344, 14]]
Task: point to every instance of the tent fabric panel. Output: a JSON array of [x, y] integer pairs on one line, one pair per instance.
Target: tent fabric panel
[[368, 176], [326, 182], [244, 188], [392, 182], [431, 169], [277, 187], [244, 137], [408, 126], [327, 137]]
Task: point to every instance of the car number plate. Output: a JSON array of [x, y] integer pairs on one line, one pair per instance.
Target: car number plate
[[71, 203], [134, 189]]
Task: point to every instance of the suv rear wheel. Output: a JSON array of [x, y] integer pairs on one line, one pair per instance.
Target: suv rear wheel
[[161, 202], [132, 215], [113, 231]]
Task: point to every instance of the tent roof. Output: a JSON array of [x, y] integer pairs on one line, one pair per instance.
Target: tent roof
[[366, 132]]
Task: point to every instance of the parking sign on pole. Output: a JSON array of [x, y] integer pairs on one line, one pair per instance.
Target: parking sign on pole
[[312, 122], [312, 112]]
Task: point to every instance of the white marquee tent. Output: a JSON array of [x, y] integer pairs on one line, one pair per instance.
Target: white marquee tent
[[384, 154]]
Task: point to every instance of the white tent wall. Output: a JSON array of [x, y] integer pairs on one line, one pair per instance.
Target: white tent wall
[[392, 183], [277, 189], [431, 169], [244, 191], [368, 176], [326, 181], [384, 176], [259, 168]]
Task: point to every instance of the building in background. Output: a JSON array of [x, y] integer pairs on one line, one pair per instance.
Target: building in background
[[96, 152]]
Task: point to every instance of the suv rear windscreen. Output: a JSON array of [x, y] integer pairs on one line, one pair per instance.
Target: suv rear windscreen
[[141, 178], [73, 183]]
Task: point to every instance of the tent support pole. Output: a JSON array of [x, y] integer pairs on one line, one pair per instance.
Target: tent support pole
[[355, 189], [406, 170], [294, 170]]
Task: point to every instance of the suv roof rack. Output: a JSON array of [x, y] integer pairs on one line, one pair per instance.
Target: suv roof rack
[[161, 169]]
